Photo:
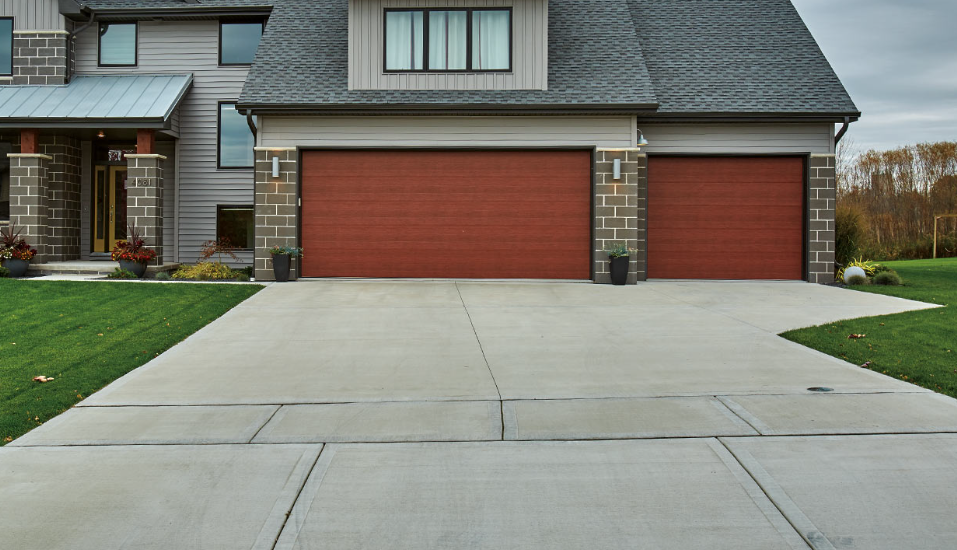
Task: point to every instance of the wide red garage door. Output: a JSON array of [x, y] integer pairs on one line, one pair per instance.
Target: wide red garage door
[[446, 214], [726, 218]]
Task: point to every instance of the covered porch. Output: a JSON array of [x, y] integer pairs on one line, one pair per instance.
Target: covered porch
[[79, 163]]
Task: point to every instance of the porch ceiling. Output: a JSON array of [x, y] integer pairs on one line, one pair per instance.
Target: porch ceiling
[[123, 101]]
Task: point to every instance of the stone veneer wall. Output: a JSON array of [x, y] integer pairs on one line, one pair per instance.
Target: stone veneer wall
[[40, 57], [28, 200], [144, 199], [620, 211], [276, 208], [63, 193], [822, 201]]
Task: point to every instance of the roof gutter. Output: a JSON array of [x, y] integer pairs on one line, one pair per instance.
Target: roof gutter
[[441, 109], [197, 10]]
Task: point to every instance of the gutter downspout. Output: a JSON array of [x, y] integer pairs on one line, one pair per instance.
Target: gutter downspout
[[840, 134], [71, 46], [252, 125]]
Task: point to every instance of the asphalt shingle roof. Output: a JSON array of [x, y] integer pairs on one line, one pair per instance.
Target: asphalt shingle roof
[[304, 55], [688, 56], [741, 56]]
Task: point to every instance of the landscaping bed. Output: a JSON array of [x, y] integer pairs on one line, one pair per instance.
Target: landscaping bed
[[919, 347], [85, 335]]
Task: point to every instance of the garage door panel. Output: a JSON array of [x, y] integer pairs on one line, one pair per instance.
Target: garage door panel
[[457, 214], [726, 218]]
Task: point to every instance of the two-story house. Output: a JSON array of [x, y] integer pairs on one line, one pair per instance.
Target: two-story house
[[424, 139]]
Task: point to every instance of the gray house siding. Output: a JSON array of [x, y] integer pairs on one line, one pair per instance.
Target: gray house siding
[[529, 53], [33, 15], [739, 138], [181, 48], [475, 131]]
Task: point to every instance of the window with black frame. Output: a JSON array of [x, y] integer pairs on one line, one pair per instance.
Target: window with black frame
[[117, 45], [236, 224], [6, 46], [238, 41], [236, 140], [448, 40], [5, 148]]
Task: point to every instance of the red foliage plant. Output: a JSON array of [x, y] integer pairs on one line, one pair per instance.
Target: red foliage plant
[[12, 247], [133, 249]]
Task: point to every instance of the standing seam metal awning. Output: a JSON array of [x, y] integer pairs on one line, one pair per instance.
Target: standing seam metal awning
[[124, 100]]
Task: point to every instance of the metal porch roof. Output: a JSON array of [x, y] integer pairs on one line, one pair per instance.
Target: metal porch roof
[[119, 100]]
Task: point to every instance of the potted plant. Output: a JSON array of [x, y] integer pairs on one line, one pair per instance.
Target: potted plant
[[281, 259], [619, 256], [132, 253], [15, 253]]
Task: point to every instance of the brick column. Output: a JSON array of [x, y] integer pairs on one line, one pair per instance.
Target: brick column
[[28, 200], [822, 200], [63, 190], [620, 207], [277, 208], [144, 199]]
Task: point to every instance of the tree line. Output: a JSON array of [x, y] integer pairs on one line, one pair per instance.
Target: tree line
[[887, 201]]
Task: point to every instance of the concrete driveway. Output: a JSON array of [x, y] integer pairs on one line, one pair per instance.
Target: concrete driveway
[[371, 414]]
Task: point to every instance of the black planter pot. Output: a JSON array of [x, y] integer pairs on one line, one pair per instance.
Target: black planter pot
[[18, 268], [136, 268], [280, 267], [619, 270]]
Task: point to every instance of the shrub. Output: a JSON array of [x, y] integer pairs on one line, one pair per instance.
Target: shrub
[[248, 271], [4, 272], [122, 274], [857, 280], [205, 271], [163, 276], [218, 248], [889, 277], [850, 231], [618, 250], [868, 266], [242, 277]]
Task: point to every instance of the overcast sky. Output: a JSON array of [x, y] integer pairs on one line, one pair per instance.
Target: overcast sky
[[898, 60]]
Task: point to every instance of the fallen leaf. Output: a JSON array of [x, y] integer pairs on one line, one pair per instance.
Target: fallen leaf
[[7, 439], [856, 336], [42, 379], [866, 364], [100, 334]]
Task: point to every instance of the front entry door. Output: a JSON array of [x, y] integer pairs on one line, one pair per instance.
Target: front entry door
[[109, 207]]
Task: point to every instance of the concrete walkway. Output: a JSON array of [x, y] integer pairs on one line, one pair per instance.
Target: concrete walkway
[[371, 414]]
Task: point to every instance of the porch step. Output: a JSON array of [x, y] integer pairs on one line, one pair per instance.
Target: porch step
[[93, 267]]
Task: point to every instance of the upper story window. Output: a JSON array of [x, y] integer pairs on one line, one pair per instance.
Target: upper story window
[[235, 138], [238, 42], [448, 40], [6, 46], [117, 44]]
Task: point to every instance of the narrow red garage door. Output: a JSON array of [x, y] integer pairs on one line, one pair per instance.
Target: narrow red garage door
[[446, 214], [726, 218]]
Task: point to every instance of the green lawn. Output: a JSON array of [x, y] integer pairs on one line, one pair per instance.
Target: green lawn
[[87, 334], [919, 347]]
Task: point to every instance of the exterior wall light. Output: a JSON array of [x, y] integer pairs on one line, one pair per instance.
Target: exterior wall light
[[641, 139], [616, 169], [275, 167]]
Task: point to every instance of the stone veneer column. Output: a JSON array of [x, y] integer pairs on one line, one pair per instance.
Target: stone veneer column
[[40, 57], [28, 200], [620, 211], [822, 200], [144, 199], [277, 208], [63, 192]]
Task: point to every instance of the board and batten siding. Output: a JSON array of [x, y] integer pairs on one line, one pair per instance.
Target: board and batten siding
[[189, 47], [739, 138], [439, 131], [529, 48], [33, 15]]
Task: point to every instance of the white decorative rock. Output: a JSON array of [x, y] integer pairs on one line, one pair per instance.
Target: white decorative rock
[[853, 271]]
